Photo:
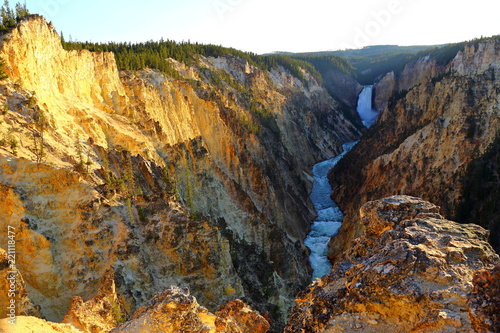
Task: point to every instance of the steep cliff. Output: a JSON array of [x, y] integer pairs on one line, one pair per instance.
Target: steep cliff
[[423, 142], [411, 270], [200, 181], [344, 88], [480, 192], [413, 74]]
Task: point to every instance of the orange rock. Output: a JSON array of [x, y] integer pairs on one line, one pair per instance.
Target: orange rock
[[484, 301], [406, 278]]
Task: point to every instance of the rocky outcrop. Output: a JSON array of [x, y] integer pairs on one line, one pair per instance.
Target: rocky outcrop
[[175, 310], [423, 144], [410, 270], [99, 314], [413, 74], [198, 181], [237, 317], [383, 91], [484, 301]]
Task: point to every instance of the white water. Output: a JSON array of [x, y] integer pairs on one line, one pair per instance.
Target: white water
[[366, 112], [329, 217]]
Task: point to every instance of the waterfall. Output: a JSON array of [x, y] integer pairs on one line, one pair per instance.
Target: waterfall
[[329, 218], [366, 112]]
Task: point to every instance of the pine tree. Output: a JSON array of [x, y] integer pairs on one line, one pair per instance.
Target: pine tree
[[9, 20], [21, 11], [3, 76]]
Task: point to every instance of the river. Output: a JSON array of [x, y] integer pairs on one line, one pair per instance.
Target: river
[[329, 219]]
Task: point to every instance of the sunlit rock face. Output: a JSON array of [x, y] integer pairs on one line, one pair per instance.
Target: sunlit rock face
[[410, 270], [200, 181], [423, 143], [171, 311], [413, 74], [175, 310], [100, 314]]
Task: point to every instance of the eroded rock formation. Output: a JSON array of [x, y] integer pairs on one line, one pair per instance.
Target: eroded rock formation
[[410, 270], [175, 310], [413, 73], [99, 314]]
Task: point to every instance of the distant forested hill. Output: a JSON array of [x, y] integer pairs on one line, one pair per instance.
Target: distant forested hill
[[365, 65], [371, 62]]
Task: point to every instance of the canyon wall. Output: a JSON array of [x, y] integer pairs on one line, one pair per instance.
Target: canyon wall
[[199, 181], [423, 142], [345, 89], [413, 74]]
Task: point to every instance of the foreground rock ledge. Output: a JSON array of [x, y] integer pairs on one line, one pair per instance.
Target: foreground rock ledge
[[411, 270], [175, 310], [171, 311]]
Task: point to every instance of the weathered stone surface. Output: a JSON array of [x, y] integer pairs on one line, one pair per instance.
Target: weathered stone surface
[[410, 270], [99, 314], [175, 310], [383, 90], [484, 301], [237, 317]]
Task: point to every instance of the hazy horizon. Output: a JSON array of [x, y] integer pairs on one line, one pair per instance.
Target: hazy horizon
[[278, 26]]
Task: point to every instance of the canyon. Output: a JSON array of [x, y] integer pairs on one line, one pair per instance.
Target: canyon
[[143, 202], [157, 181]]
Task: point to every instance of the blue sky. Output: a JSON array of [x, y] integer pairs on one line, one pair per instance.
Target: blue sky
[[274, 25]]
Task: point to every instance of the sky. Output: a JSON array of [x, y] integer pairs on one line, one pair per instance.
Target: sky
[[265, 26]]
